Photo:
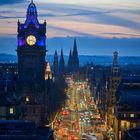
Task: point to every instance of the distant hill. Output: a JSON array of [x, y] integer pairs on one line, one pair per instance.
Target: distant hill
[[98, 60], [86, 45], [7, 58]]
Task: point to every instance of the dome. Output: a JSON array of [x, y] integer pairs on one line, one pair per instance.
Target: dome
[[32, 9]]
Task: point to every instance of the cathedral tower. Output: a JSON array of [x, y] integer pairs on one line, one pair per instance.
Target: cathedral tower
[[70, 62], [31, 51], [115, 67], [61, 63], [115, 78], [75, 59], [55, 64]]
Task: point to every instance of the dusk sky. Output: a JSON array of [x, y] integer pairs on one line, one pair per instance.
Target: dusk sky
[[102, 19]]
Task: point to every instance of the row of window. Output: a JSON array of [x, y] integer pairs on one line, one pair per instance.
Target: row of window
[[12, 110], [124, 115]]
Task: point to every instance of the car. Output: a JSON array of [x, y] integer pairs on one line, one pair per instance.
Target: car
[[92, 134], [86, 120], [66, 108], [82, 120], [84, 136], [65, 131], [65, 112], [72, 137], [92, 137], [86, 116], [86, 113]]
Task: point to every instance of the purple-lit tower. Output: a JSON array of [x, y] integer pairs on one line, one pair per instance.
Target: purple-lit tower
[[31, 51]]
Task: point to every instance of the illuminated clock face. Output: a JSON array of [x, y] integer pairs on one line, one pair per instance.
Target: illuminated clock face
[[31, 40]]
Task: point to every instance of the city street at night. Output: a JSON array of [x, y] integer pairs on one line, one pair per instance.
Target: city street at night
[[70, 70], [80, 118]]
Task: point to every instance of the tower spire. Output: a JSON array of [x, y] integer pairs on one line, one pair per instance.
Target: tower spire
[[55, 64], [75, 59], [61, 62], [32, 15], [115, 60], [70, 61], [115, 66]]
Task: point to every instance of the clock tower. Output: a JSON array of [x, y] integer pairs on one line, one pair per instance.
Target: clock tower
[[31, 51]]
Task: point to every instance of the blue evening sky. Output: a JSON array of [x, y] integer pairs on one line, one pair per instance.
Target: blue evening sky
[[101, 26]]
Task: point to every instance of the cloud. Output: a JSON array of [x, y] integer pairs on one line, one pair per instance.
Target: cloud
[[72, 20], [3, 2], [123, 34], [64, 30], [107, 22], [86, 45], [101, 16], [10, 17], [117, 17]]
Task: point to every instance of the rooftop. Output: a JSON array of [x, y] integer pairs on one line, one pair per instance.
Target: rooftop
[[133, 134]]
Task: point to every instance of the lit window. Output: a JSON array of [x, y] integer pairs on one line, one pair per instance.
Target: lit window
[[124, 115], [112, 110], [120, 135], [132, 115], [11, 111], [27, 99]]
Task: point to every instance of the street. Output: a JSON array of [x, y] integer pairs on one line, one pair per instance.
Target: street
[[79, 118]]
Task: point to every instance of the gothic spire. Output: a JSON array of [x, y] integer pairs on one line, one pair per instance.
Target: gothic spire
[[70, 61], [55, 63], [115, 66], [32, 15], [75, 47], [55, 53], [75, 59], [115, 60], [32, 10], [61, 62]]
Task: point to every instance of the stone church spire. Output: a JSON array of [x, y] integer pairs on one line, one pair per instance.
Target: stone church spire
[[55, 64], [115, 66], [75, 59], [115, 60], [70, 61], [61, 62]]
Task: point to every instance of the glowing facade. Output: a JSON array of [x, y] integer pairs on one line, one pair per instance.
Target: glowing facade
[[48, 72], [31, 50]]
